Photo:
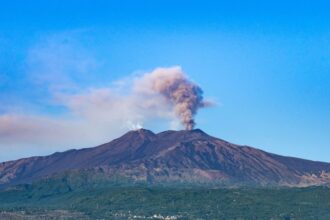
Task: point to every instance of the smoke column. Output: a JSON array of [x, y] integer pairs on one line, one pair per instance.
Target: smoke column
[[185, 96]]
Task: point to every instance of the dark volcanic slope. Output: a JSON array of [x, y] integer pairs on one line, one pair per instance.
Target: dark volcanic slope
[[172, 156]]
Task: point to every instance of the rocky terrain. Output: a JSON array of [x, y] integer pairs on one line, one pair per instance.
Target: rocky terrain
[[187, 157]]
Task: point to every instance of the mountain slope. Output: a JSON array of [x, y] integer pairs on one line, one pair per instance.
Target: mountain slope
[[173, 156]]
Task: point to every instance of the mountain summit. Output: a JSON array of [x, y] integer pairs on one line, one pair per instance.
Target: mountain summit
[[185, 157]]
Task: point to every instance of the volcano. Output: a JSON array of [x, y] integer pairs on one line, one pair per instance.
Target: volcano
[[172, 157]]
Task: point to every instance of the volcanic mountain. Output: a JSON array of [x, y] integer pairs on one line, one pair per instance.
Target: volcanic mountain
[[172, 157]]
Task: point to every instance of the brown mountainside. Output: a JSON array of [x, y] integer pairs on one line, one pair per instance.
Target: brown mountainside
[[174, 156]]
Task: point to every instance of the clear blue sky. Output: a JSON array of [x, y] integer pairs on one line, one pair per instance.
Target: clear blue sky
[[266, 63]]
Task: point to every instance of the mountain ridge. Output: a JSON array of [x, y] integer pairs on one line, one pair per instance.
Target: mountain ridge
[[173, 156]]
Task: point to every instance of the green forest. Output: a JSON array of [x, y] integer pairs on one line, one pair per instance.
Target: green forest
[[63, 200]]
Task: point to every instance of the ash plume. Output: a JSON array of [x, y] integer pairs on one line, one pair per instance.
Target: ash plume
[[156, 99], [185, 96]]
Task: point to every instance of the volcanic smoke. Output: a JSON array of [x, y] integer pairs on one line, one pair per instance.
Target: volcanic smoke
[[185, 96]]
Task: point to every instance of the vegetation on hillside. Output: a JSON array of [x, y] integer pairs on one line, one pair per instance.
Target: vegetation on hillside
[[53, 197]]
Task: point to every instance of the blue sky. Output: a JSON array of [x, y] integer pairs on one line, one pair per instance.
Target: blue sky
[[266, 64]]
